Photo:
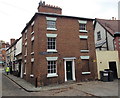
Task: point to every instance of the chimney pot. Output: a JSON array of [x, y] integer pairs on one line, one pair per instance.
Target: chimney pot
[[43, 2], [112, 18], [40, 3]]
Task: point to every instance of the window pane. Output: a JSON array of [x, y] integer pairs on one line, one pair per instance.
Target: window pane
[[51, 43], [51, 66], [82, 26], [51, 24], [98, 36], [48, 71]]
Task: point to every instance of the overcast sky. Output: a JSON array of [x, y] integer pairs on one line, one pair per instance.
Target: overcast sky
[[14, 14]]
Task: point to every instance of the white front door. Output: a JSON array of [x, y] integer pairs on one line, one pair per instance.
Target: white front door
[[69, 67]]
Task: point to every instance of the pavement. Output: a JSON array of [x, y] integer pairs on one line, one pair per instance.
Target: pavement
[[91, 88]]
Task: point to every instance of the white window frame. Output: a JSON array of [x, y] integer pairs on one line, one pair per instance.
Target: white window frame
[[85, 57], [52, 59], [84, 51], [52, 19], [83, 36], [32, 59], [86, 73], [25, 68], [32, 32], [32, 53], [32, 39], [51, 36], [82, 22], [32, 23]]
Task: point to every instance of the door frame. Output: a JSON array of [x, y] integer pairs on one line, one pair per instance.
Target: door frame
[[73, 68], [115, 66]]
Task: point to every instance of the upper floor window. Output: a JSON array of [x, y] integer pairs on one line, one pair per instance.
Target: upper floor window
[[98, 36], [51, 23], [82, 26], [25, 34], [51, 42], [32, 27]]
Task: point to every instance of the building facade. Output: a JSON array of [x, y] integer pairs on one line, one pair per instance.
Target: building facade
[[18, 58], [3, 47], [58, 48], [107, 43], [14, 57]]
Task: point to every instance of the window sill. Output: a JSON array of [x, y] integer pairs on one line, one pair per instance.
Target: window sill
[[25, 55], [32, 32], [51, 50], [31, 75], [84, 51], [24, 73], [32, 53], [54, 29], [32, 59], [84, 31], [86, 73], [52, 75], [25, 39]]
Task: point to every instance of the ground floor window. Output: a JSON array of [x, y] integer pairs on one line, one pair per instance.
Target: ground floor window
[[51, 67]]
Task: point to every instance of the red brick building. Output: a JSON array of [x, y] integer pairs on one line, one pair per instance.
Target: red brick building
[[58, 48], [3, 47]]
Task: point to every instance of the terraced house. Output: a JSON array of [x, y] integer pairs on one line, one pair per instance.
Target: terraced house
[[58, 48]]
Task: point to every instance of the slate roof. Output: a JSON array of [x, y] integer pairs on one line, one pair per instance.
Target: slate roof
[[110, 25]]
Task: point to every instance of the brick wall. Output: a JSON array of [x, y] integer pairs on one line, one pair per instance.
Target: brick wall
[[68, 44], [49, 8]]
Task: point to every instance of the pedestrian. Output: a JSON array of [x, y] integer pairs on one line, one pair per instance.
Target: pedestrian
[[7, 70]]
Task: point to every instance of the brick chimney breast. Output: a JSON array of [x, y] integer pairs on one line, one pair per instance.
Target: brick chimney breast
[[47, 8]]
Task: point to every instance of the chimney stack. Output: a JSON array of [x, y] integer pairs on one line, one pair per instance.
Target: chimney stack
[[112, 18], [49, 8], [12, 41]]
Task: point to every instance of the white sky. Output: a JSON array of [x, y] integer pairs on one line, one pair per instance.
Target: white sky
[[14, 14]]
